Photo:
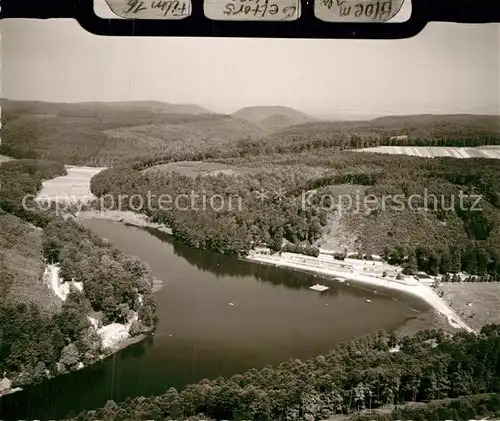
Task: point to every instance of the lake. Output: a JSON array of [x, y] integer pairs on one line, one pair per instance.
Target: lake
[[218, 316]]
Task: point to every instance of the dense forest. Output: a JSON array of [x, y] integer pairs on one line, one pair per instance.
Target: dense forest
[[40, 336], [444, 230], [364, 374]]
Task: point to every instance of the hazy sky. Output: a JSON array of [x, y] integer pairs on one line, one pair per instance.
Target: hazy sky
[[447, 68]]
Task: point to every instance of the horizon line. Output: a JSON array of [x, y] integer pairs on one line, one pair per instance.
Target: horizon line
[[318, 114]]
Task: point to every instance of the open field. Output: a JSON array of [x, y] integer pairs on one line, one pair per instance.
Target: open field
[[75, 186], [195, 168], [492, 152], [484, 300]]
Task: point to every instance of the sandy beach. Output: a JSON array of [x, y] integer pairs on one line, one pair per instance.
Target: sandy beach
[[323, 265]]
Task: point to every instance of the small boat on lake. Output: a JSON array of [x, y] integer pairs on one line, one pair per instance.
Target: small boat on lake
[[319, 287]]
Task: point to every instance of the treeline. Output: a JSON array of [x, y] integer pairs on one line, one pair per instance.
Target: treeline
[[453, 130], [21, 180], [305, 249], [450, 131], [468, 259], [23, 177], [295, 142], [470, 278], [36, 342], [459, 409], [366, 373]]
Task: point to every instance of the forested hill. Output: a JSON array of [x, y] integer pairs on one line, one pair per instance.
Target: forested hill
[[12, 109], [41, 334], [419, 219], [108, 134], [367, 373], [273, 117], [112, 132], [423, 130]]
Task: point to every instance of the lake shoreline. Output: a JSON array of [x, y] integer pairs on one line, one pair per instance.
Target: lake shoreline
[[115, 349], [408, 286], [322, 267], [128, 218], [310, 264]]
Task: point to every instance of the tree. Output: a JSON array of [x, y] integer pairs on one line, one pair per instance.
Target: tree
[[110, 307], [482, 261], [135, 328], [446, 262], [122, 313], [456, 261], [410, 267], [396, 256], [422, 255], [71, 322], [433, 264], [170, 404], [70, 356], [469, 260]]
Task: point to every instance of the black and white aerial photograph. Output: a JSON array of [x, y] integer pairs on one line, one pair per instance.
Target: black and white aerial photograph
[[245, 229]]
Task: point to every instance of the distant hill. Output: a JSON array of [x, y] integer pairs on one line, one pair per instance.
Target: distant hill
[[103, 134], [440, 119], [277, 122], [153, 106], [273, 117], [11, 108]]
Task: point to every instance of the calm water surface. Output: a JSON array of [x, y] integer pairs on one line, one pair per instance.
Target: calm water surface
[[274, 317]]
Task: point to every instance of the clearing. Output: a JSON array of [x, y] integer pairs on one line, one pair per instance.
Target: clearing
[[198, 168], [75, 186], [492, 152], [483, 297]]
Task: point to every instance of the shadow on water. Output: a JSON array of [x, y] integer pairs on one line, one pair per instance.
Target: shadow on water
[[137, 350], [221, 265]]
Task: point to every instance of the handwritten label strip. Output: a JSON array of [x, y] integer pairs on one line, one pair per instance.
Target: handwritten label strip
[[357, 10], [267, 10], [151, 9]]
